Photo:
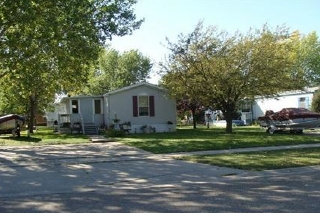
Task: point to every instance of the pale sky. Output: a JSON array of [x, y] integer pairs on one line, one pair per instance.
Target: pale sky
[[169, 18]]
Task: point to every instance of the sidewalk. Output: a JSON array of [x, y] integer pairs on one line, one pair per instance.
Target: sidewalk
[[101, 139], [109, 176], [52, 169], [241, 150]]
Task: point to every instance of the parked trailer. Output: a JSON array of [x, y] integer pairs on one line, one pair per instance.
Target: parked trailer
[[11, 124], [294, 120]]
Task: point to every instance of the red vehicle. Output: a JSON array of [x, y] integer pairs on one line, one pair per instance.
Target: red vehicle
[[293, 119], [11, 124]]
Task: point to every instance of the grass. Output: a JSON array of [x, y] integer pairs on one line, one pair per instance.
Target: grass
[[43, 136], [187, 139], [265, 160], [201, 139]]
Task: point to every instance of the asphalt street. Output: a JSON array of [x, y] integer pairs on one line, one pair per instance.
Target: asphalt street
[[110, 177]]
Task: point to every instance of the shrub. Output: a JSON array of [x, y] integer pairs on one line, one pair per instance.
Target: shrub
[[115, 133]]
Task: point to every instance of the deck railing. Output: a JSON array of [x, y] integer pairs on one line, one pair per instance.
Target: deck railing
[[68, 120]]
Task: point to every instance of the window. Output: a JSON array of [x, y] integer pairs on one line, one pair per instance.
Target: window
[[303, 102], [143, 103], [75, 106], [246, 107], [97, 107], [143, 106]]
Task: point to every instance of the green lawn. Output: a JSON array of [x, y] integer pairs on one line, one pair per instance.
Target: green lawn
[[43, 136], [187, 139], [262, 160]]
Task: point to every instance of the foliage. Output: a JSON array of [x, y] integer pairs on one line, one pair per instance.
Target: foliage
[[212, 68], [315, 105], [202, 139], [180, 78], [115, 132], [48, 46], [308, 56], [143, 127], [194, 107], [127, 123], [116, 70]]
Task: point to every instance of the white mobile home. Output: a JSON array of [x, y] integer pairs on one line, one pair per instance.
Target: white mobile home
[[295, 99], [143, 105]]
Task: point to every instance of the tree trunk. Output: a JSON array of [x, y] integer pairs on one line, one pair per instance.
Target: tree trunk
[[229, 113], [193, 111], [229, 124], [32, 115]]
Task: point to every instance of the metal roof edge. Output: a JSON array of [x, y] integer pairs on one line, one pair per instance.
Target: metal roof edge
[[134, 86]]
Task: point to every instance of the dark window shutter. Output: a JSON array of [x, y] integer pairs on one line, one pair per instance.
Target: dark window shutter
[[135, 106], [151, 106]]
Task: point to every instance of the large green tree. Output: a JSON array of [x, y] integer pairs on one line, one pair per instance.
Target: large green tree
[[49, 46], [115, 70], [182, 66], [308, 55], [315, 105], [220, 70]]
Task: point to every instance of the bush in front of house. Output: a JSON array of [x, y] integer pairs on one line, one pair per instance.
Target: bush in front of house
[[115, 133]]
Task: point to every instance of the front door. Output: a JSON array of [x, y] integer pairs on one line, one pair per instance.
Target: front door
[[86, 110], [82, 109], [98, 112]]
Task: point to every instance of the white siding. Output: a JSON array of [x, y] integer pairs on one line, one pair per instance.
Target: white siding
[[121, 104], [276, 104], [53, 116]]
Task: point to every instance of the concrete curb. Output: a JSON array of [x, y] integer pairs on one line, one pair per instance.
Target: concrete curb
[[242, 150], [100, 139]]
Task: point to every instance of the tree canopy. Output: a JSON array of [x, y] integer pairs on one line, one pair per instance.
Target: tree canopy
[[308, 56], [115, 70], [48, 46], [315, 105], [217, 69]]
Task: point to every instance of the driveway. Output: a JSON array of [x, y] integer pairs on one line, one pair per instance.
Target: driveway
[[111, 177]]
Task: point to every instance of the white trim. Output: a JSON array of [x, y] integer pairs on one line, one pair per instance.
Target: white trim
[[307, 90], [133, 86], [79, 97]]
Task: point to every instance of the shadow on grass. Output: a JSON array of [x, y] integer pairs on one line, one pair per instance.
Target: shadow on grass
[[43, 136], [22, 139], [60, 136]]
